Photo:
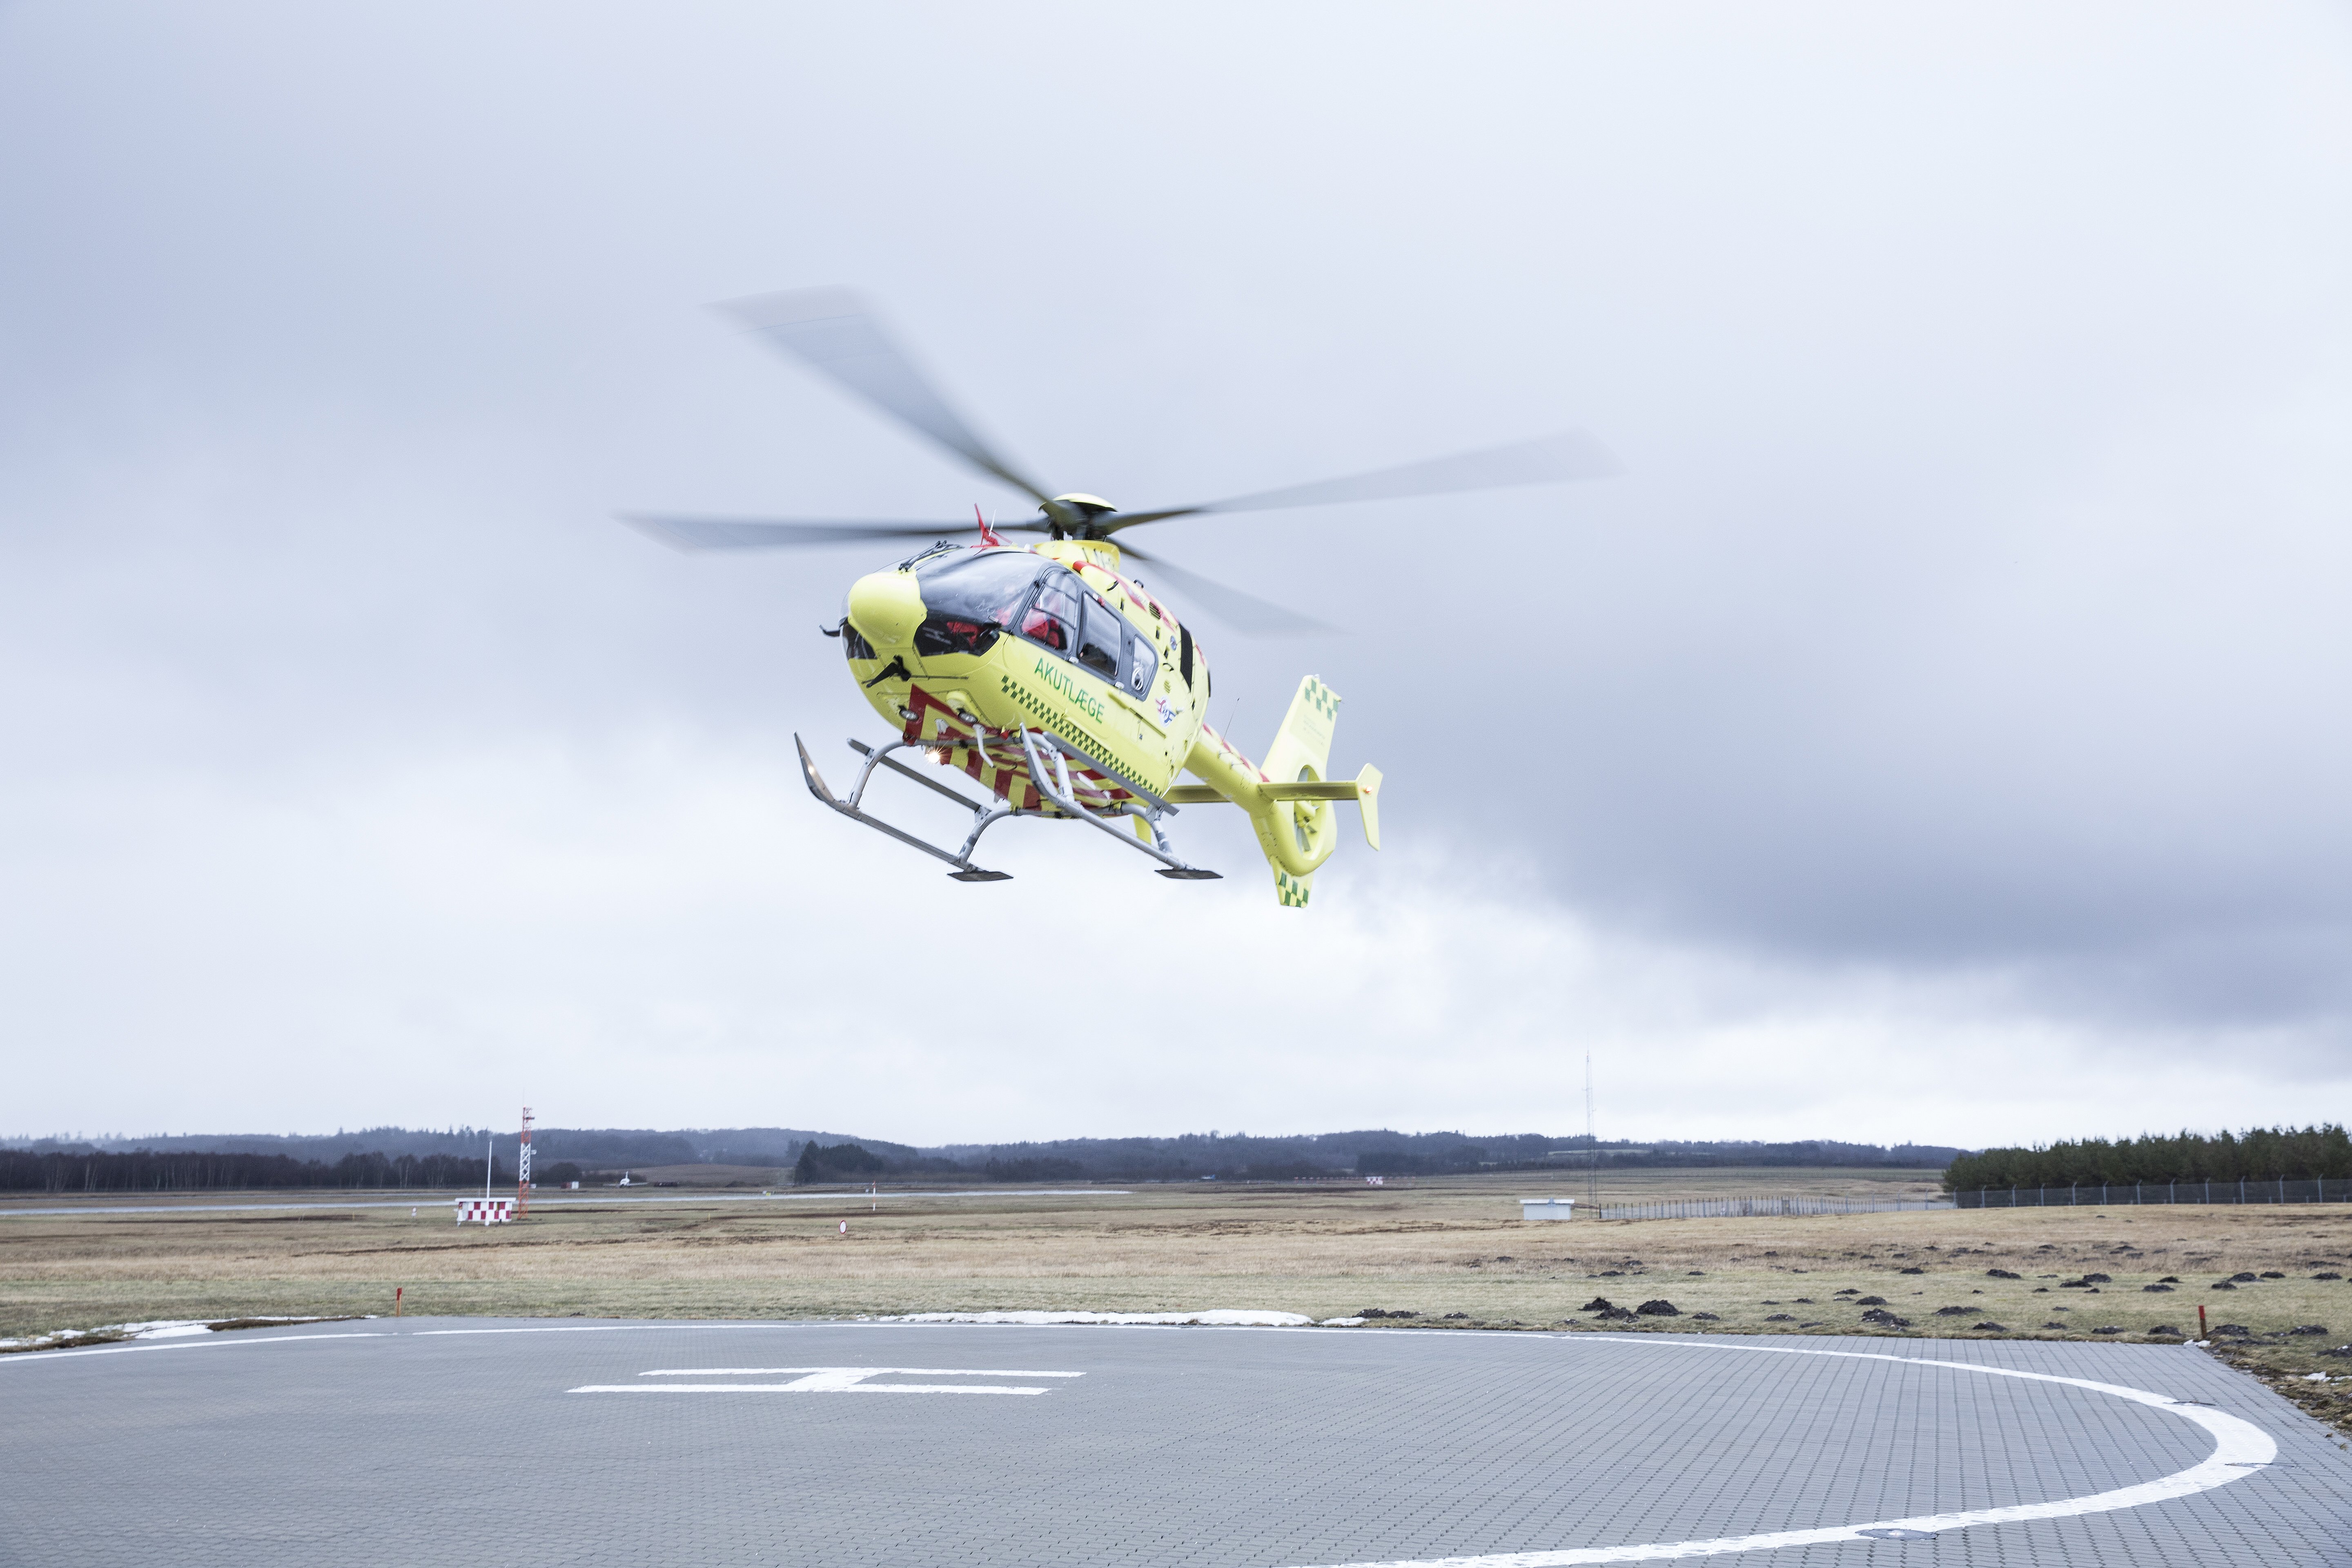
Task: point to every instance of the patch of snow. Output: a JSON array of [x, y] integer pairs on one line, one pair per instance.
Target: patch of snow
[[1223, 1318], [1342, 1322], [172, 1328], [153, 1328], [128, 1331]]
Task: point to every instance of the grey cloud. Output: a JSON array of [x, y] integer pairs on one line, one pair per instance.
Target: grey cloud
[[1971, 603]]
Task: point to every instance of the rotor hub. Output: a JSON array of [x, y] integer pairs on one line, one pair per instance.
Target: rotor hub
[[1076, 514]]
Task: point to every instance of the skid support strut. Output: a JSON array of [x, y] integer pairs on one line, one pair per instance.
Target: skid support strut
[[984, 817], [1054, 784]]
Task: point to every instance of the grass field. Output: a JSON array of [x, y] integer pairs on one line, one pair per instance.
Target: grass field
[[1437, 1248]]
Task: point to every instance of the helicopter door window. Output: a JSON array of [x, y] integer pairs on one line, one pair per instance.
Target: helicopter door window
[[1143, 664], [1053, 617], [1099, 649]]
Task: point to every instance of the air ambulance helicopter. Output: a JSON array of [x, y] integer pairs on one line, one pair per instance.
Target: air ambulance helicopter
[[1047, 672]]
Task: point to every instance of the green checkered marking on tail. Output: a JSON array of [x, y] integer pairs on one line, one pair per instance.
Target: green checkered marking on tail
[[1325, 701], [1287, 889]]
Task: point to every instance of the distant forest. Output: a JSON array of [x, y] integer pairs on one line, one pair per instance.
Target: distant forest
[[1239, 1156], [594, 1148], [2259, 1153], [393, 1157], [142, 1170]]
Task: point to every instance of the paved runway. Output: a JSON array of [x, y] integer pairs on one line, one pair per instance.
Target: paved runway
[[842, 1445]]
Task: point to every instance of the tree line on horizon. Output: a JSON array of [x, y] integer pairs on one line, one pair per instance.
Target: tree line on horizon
[[2322, 1153], [1240, 1157], [614, 1148], [146, 1171], [595, 1148], [405, 1159]]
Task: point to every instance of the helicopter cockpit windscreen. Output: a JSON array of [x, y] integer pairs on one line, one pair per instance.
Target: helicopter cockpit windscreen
[[970, 596]]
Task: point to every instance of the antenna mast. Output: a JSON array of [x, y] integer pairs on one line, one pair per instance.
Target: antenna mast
[[522, 1169], [1592, 1147]]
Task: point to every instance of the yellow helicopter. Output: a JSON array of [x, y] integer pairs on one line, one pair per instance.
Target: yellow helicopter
[[1047, 672]]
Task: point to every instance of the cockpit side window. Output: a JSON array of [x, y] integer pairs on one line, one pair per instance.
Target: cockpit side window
[[1143, 664], [1052, 616], [1104, 639]]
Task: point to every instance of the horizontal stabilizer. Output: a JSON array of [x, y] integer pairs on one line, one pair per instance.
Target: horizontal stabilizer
[[1319, 789], [1364, 789]]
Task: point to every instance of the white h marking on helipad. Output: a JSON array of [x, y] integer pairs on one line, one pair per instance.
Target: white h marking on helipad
[[823, 1380]]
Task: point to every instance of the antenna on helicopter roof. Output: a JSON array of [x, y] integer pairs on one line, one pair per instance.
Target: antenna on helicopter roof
[[987, 534]]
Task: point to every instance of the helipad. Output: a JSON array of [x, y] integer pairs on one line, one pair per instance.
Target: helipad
[[470, 1441]]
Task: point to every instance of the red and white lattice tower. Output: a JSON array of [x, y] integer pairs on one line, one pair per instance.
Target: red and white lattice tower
[[522, 1169]]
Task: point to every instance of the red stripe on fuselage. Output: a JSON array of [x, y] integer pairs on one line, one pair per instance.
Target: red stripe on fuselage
[[1012, 771]]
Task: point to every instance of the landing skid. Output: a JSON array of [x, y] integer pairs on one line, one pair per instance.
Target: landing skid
[[983, 816], [1052, 781]]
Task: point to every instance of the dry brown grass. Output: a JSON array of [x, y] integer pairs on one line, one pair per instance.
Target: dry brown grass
[[1437, 1248]]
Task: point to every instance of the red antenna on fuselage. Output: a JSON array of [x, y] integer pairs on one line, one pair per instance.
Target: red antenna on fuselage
[[988, 536]]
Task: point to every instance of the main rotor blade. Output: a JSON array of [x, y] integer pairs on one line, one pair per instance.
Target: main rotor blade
[[1571, 455], [771, 534], [831, 331], [1230, 606]]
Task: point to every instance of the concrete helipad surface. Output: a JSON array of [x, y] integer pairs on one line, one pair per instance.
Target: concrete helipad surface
[[471, 1441]]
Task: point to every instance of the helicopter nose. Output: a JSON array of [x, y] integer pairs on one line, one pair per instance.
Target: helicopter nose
[[885, 607]]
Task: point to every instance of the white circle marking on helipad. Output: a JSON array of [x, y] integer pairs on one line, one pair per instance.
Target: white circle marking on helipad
[[2239, 1448]]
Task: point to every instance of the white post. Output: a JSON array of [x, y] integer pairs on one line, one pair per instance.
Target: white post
[[1591, 1149]]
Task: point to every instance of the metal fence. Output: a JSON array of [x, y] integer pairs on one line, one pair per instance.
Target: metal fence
[[2105, 1194], [1765, 1208]]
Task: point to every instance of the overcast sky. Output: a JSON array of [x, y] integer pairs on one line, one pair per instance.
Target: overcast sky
[[1938, 732]]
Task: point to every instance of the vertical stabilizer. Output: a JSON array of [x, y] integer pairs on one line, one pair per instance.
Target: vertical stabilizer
[[1301, 830], [1302, 747]]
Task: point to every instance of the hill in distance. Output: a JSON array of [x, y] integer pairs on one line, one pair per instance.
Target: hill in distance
[[821, 1155]]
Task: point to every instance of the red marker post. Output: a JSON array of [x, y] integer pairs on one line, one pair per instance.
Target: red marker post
[[2200, 1324]]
